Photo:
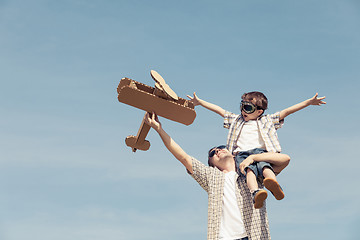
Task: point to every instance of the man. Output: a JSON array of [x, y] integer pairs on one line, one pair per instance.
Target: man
[[231, 214]]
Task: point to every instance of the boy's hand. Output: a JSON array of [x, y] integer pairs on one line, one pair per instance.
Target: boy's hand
[[212, 107], [315, 100], [249, 160], [195, 100], [153, 121]]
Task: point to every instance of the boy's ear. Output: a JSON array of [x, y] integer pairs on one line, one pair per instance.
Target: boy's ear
[[260, 111]]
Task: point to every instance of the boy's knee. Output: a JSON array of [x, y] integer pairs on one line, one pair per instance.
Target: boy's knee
[[267, 168], [287, 159], [249, 170]]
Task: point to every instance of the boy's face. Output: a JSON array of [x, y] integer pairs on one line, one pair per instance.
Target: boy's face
[[251, 116]]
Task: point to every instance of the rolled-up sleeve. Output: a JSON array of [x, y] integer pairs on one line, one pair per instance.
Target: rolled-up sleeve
[[201, 173], [275, 118], [229, 118]]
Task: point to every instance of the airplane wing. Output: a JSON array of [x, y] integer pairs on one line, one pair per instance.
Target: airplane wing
[[141, 96]]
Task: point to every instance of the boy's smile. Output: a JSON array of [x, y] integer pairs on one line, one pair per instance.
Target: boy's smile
[[245, 116]]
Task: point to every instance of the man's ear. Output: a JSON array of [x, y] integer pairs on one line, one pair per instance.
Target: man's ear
[[260, 111]]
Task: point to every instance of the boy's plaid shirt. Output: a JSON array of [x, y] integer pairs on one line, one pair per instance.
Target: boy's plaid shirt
[[268, 124], [212, 181]]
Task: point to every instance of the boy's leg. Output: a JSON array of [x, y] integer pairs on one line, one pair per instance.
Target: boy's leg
[[271, 184], [251, 180], [268, 173], [259, 195]]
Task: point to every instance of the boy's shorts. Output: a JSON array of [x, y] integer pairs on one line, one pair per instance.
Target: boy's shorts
[[256, 167]]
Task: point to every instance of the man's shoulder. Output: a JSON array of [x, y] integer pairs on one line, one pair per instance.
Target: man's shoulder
[[200, 168], [196, 164], [206, 176]]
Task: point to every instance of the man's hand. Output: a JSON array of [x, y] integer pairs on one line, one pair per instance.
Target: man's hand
[[152, 120], [315, 100], [249, 160], [195, 100]]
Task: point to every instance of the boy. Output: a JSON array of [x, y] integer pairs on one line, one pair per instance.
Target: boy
[[252, 133]]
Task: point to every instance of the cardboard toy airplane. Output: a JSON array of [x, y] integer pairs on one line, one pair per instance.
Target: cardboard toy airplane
[[160, 99]]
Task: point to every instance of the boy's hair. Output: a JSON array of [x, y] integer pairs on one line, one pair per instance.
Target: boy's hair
[[261, 100]]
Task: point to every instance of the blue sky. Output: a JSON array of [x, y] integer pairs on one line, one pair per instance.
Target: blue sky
[[65, 172]]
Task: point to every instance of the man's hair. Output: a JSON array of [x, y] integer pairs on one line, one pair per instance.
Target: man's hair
[[210, 163], [260, 98], [209, 159]]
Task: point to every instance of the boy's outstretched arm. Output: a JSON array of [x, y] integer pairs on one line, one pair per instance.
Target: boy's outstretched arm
[[212, 107], [315, 100], [170, 144]]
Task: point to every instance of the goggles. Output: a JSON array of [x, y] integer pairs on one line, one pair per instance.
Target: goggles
[[248, 107], [213, 150]]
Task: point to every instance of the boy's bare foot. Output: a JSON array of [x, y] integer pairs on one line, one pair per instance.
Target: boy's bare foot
[[274, 187], [259, 197]]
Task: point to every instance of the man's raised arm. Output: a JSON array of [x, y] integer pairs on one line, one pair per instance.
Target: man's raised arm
[[170, 144]]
